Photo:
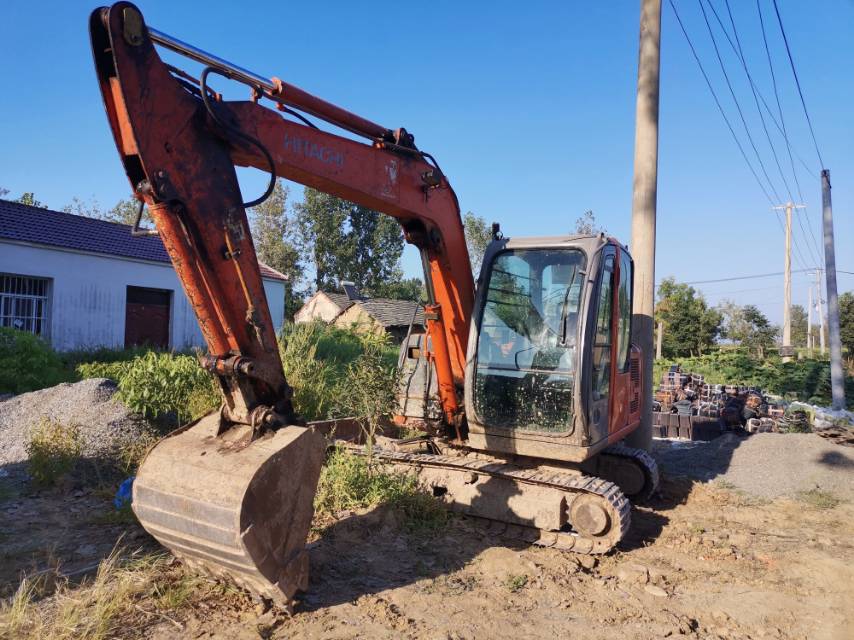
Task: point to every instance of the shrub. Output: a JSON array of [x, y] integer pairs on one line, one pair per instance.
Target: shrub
[[167, 386], [349, 481], [54, 450], [27, 363], [312, 379], [367, 391]]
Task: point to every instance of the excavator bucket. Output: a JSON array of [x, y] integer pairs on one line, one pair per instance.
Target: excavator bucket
[[235, 510]]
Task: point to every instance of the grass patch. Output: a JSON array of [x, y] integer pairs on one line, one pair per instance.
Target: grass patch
[[818, 498], [125, 596], [350, 481], [54, 450], [516, 583]]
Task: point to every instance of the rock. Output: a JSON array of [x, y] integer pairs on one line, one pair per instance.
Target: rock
[[587, 562], [632, 573], [653, 590]]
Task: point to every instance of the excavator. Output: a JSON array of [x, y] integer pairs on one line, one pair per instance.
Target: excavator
[[526, 386]]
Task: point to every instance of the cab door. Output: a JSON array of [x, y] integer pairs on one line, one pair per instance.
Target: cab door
[[602, 347]]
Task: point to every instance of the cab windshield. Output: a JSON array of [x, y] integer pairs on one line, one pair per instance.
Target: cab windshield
[[526, 347]]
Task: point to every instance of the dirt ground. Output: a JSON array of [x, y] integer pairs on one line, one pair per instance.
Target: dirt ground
[[707, 559]]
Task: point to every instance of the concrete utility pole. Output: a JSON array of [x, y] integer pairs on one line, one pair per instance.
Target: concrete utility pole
[[821, 328], [809, 322], [786, 350], [837, 379], [658, 338], [644, 196]]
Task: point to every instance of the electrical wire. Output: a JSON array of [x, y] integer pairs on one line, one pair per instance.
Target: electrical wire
[[718, 103], [811, 249], [740, 54], [758, 275], [779, 106], [797, 82], [735, 100], [203, 84]]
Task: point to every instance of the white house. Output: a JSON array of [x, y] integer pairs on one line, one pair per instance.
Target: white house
[[82, 283]]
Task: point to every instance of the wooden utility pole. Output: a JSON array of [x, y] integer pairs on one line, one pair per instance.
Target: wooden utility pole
[[786, 350], [837, 377], [644, 196], [658, 338]]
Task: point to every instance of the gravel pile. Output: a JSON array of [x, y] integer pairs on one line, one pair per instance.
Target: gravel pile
[[103, 421], [768, 465]]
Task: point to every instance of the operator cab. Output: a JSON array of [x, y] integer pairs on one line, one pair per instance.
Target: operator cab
[[550, 368], [550, 371]]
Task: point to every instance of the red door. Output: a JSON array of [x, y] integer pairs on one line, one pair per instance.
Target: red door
[[147, 317]]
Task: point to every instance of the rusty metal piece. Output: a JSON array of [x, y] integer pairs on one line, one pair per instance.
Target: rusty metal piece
[[240, 512]]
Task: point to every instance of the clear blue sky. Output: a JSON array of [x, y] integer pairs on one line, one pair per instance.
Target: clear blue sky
[[529, 108]]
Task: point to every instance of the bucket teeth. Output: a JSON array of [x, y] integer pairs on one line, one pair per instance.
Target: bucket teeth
[[241, 513]]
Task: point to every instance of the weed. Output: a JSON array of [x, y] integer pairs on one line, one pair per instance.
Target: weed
[[28, 363], [159, 384], [16, 612], [123, 516], [725, 484], [311, 378], [131, 453], [54, 450], [349, 481], [367, 391], [516, 583], [818, 498], [105, 606]]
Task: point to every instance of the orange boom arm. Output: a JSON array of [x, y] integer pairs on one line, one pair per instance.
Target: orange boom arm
[[179, 155]]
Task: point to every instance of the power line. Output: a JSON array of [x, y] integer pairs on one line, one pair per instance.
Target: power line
[[814, 255], [758, 275], [718, 103], [782, 125], [797, 82], [735, 100], [740, 54]]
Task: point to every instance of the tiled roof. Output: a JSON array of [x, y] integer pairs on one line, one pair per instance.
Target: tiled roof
[[339, 299], [393, 313], [23, 223]]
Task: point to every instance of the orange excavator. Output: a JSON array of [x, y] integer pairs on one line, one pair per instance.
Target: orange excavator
[[526, 390]]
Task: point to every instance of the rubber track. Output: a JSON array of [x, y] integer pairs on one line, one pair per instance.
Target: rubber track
[[645, 461], [620, 506]]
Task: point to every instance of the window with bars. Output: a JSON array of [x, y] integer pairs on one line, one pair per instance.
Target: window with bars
[[24, 303]]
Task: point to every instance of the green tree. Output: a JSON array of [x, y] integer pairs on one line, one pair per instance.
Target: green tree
[[406, 289], [760, 334], [799, 326], [478, 237], [846, 321], [348, 242], [124, 211], [274, 232], [690, 326], [29, 198], [586, 225]]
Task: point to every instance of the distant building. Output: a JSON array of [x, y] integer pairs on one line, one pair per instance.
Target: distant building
[[85, 283], [366, 314]]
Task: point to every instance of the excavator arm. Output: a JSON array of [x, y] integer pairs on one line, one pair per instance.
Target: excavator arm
[[179, 142], [233, 493]]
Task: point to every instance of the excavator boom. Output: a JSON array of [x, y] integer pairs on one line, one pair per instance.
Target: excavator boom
[[233, 493]]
